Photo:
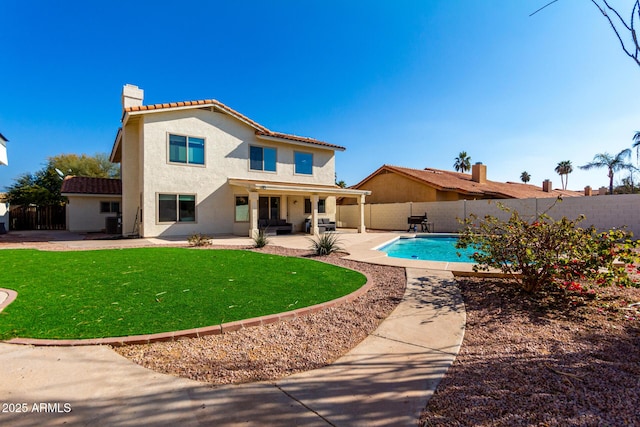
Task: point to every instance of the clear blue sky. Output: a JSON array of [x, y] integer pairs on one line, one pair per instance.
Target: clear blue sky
[[409, 83]]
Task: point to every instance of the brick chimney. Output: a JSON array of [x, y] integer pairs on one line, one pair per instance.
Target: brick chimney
[[547, 187], [588, 191], [132, 96], [479, 173]]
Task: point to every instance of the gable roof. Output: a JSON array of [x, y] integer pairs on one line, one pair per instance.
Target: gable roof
[[89, 185], [463, 183], [215, 105]]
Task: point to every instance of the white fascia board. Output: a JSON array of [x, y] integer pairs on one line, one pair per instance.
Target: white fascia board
[[300, 143], [265, 186]]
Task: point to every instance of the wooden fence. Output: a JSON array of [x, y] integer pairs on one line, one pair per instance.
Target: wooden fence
[[38, 218]]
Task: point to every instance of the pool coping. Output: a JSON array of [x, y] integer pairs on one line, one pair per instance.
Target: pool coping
[[370, 253]]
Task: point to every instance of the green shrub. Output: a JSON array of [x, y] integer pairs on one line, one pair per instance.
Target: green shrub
[[545, 253], [260, 238], [325, 244], [199, 240]]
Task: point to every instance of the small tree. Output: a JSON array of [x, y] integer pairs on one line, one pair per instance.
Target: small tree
[[43, 187], [636, 145], [97, 165], [612, 163], [525, 177], [625, 31], [544, 253]]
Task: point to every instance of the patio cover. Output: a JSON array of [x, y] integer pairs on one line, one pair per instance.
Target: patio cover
[[314, 191]]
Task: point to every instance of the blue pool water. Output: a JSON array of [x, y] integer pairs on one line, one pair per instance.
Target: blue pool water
[[428, 248]]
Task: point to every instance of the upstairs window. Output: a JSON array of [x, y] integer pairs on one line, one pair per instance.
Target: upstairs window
[[186, 150], [303, 163], [262, 159]]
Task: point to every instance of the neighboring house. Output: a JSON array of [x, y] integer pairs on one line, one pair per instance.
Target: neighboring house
[[4, 160], [4, 206], [4, 214], [202, 167], [93, 203], [394, 184]]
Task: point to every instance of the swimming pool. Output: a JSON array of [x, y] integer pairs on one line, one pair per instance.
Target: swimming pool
[[428, 248]]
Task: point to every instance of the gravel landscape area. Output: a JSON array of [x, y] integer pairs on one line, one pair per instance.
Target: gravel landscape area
[[565, 364], [273, 351]]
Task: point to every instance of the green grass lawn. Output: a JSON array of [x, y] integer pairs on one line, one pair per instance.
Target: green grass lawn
[[110, 293]]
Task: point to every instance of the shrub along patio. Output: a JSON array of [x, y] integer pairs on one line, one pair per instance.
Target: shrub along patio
[[110, 293]]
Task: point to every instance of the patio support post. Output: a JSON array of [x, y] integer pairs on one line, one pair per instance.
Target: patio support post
[[361, 226], [253, 213], [314, 214]]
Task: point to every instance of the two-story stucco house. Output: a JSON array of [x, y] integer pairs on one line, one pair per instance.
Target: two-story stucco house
[[3, 150], [202, 167]]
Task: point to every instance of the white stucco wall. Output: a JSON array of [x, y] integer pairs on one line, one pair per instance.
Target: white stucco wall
[[83, 213], [3, 153], [603, 212], [227, 143], [131, 174], [4, 214]]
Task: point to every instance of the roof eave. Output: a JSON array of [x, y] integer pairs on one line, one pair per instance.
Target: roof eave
[[116, 155], [300, 142], [213, 104], [92, 194], [267, 186]]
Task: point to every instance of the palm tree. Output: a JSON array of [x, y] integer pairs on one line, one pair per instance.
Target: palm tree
[[564, 168], [463, 162], [525, 177], [636, 145], [612, 163]]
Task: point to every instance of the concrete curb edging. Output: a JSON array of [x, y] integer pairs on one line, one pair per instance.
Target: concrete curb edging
[[11, 295], [188, 333]]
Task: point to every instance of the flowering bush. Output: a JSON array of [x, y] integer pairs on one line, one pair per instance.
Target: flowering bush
[[549, 253]]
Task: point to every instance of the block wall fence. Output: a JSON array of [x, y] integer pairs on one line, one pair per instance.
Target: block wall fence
[[603, 212]]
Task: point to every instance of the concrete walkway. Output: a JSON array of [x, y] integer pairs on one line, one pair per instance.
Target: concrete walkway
[[385, 381]]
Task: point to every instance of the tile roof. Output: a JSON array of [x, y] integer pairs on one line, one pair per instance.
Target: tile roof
[[260, 130], [89, 185], [463, 183]]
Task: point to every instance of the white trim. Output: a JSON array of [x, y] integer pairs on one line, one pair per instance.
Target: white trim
[[210, 105], [300, 143], [103, 195], [298, 189]]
